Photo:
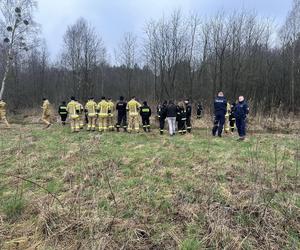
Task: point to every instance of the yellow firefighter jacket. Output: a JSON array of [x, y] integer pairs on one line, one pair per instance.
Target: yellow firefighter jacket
[[91, 107], [73, 109], [103, 108], [132, 107]]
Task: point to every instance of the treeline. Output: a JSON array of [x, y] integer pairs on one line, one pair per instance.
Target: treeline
[[176, 57]]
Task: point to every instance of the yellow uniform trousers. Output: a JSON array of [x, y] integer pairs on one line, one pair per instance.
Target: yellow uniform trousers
[[3, 118], [46, 118], [75, 124], [103, 123], [110, 122], [91, 123], [133, 122]]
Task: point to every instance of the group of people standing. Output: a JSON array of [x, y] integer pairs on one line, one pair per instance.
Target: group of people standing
[[182, 113], [100, 116], [232, 115]]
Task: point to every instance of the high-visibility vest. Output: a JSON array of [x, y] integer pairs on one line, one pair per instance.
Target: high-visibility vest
[[63, 110]]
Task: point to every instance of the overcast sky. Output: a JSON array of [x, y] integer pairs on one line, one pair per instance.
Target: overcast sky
[[112, 18]]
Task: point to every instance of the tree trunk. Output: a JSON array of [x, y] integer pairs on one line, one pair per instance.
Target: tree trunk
[[7, 67]]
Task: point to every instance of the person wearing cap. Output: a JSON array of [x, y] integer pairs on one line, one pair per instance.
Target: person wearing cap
[[62, 111], [145, 112], [241, 111], [220, 109], [122, 114], [3, 113]]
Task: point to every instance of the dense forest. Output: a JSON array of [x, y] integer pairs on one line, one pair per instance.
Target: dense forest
[[174, 57]]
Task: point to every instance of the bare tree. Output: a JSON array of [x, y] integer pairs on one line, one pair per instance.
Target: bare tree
[[168, 43], [183, 56], [83, 52], [126, 56], [17, 27], [290, 36]]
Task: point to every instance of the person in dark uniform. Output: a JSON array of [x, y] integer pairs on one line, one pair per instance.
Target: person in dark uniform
[[145, 112], [220, 109], [240, 113], [122, 114], [188, 109], [181, 118], [62, 111], [199, 110], [162, 115]]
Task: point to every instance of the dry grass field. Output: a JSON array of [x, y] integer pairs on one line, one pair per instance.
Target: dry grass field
[[145, 191]]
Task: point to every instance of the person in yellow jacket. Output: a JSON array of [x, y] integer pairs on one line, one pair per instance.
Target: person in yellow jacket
[[73, 109], [226, 125], [133, 115], [103, 114], [81, 115], [3, 113], [46, 115], [111, 110], [91, 110]]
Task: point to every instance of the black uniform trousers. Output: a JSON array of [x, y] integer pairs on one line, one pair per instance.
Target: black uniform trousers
[[146, 122], [63, 118], [182, 125], [189, 124], [162, 123], [122, 120], [218, 124]]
